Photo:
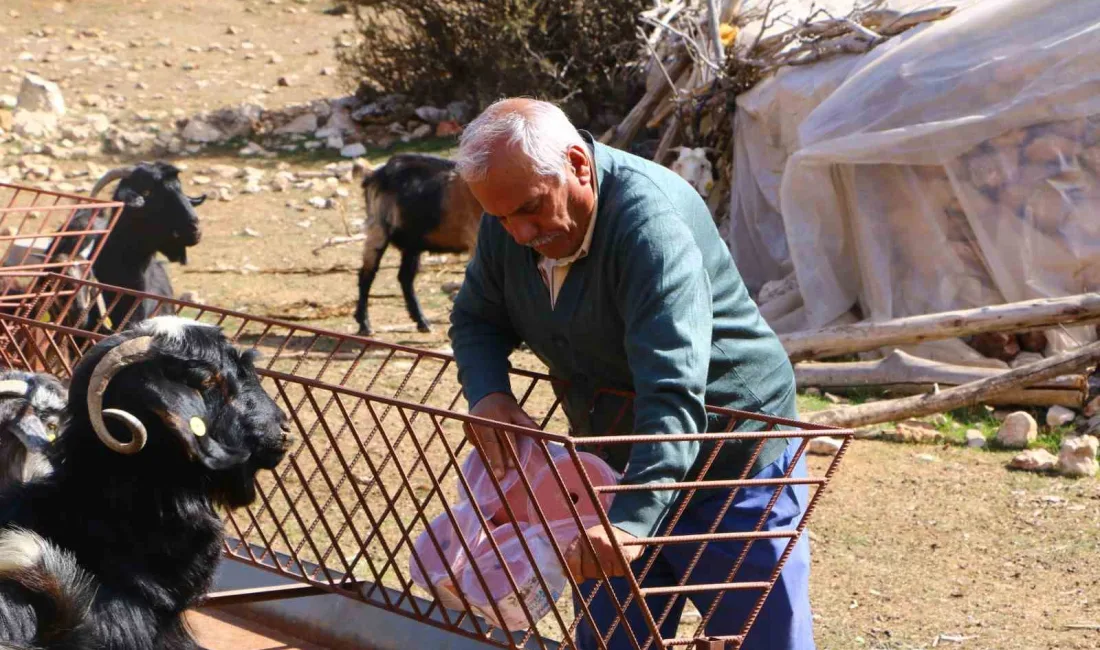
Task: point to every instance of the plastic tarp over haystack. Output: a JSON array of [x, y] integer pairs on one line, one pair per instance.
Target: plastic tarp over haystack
[[958, 168]]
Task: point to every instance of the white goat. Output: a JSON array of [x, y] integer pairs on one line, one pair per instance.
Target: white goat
[[693, 166]]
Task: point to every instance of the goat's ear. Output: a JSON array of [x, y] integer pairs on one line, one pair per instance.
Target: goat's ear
[[196, 201], [131, 198], [185, 414]]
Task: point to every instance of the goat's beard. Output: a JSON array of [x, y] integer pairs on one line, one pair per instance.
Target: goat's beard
[[235, 487], [175, 251]]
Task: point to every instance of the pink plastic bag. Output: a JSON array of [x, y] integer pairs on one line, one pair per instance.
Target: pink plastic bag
[[532, 460], [500, 592], [555, 502], [435, 565]]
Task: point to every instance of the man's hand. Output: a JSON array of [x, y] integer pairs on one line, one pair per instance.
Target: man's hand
[[586, 566], [501, 407]]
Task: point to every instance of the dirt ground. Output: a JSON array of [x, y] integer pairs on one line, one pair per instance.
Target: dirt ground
[[914, 546]]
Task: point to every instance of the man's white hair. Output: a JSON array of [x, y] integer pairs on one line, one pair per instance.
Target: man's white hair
[[541, 129]]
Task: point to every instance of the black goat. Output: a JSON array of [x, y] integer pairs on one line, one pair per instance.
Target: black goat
[[157, 217], [419, 204], [32, 410], [110, 550]]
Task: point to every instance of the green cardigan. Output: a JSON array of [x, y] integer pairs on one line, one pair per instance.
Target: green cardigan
[[657, 308]]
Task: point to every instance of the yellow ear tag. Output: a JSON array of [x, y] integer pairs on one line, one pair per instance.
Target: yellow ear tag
[[45, 318], [198, 427], [50, 437]]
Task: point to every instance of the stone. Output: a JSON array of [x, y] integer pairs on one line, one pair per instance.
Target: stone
[[1034, 460], [1077, 457], [320, 203], [76, 131], [249, 232], [1059, 416], [6, 121], [339, 123], [1093, 407], [34, 124], [304, 123], [431, 114], [287, 81], [1018, 430], [914, 431], [334, 142], [224, 171], [328, 71], [99, 122], [8, 101], [460, 111], [353, 150], [824, 446], [199, 131], [975, 438], [40, 96]]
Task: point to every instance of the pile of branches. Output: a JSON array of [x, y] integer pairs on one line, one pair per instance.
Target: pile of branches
[[700, 61], [581, 55]]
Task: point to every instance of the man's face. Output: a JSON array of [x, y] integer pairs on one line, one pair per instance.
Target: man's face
[[546, 214]]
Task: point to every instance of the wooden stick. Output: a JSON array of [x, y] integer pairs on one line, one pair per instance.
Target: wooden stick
[[1044, 397], [903, 368], [1011, 317], [966, 395], [621, 135]]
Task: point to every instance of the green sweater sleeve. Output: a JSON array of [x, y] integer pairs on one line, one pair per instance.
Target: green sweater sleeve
[[664, 298], [481, 333]]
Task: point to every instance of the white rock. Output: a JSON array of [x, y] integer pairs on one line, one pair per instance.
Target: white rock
[[320, 203], [334, 142], [252, 188], [1077, 457], [40, 96], [200, 180], [99, 122], [339, 123], [353, 150], [34, 124], [8, 101], [975, 438], [1058, 416], [1034, 460], [432, 115], [225, 194], [1018, 430], [199, 131], [304, 123], [824, 446], [422, 131], [249, 232], [224, 171]]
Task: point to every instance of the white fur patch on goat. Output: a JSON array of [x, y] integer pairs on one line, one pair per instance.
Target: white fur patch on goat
[[47, 401], [19, 549], [693, 166], [169, 327]]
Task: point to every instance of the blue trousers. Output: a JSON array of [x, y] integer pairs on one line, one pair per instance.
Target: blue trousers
[[785, 621]]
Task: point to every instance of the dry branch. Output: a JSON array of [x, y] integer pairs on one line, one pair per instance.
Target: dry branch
[[1010, 317], [339, 241], [966, 395]]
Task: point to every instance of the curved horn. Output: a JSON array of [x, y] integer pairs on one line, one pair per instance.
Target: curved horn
[[113, 174], [13, 388], [128, 353]]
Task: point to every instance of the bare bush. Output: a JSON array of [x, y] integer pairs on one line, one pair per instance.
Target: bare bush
[[580, 53]]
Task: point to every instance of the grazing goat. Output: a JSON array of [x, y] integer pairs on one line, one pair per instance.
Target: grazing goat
[[418, 203], [32, 410], [157, 217], [693, 166], [167, 420]]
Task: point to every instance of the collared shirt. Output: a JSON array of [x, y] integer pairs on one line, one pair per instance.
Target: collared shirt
[[553, 271]]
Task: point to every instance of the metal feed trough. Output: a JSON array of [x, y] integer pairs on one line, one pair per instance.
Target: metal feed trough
[[381, 465]]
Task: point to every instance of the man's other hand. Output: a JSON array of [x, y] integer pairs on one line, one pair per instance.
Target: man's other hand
[[501, 407], [584, 565]]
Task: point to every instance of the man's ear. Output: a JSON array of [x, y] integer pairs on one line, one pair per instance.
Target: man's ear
[[579, 163]]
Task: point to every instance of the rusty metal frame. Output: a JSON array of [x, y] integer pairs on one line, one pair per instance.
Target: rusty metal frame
[[380, 446]]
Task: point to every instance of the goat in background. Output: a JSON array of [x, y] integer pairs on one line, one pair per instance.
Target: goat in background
[[32, 411], [419, 204]]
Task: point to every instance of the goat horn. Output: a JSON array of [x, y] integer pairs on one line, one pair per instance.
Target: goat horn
[[128, 353], [13, 388], [113, 174]]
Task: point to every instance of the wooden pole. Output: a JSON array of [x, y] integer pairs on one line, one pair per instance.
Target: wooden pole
[[1011, 317], [968, 394]]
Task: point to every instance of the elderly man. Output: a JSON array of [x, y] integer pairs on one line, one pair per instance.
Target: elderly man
[[610, 268]]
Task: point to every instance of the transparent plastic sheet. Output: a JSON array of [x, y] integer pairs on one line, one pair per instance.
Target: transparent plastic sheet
[[1002, 100]]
